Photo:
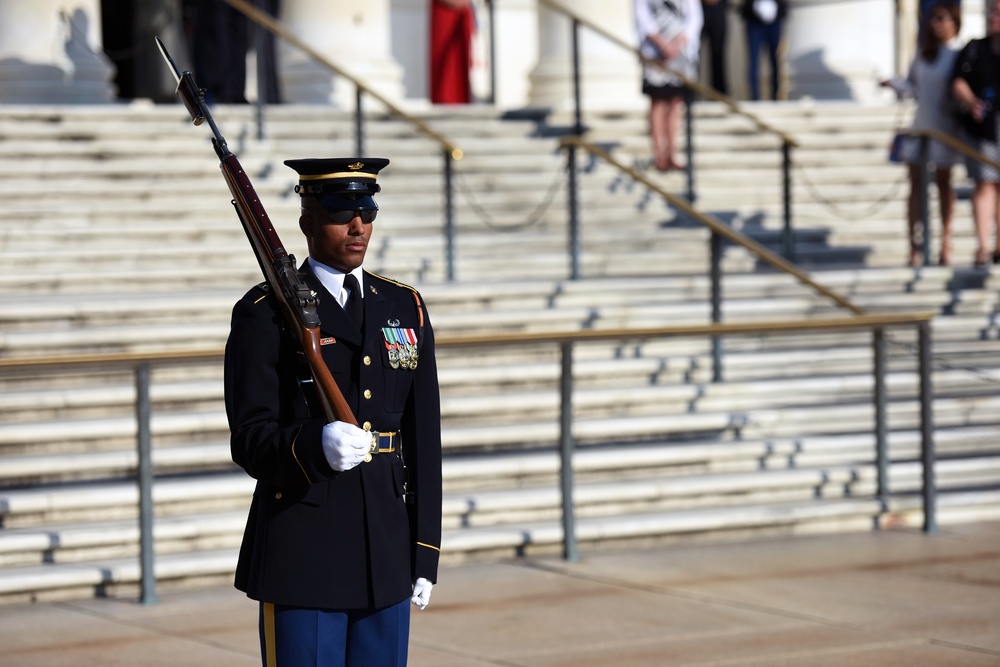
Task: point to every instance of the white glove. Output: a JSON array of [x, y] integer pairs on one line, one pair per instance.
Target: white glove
[[345, 445], [422, 593]]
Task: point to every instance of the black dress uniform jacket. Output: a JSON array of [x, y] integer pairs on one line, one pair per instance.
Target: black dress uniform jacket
[[315, 537]]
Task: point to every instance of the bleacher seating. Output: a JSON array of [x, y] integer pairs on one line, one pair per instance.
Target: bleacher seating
[[119, 237]]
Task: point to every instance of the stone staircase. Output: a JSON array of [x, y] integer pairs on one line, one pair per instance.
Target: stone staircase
[[118, 237]]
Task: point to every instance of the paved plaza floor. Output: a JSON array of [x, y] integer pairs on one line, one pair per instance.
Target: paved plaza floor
[[896, 597]]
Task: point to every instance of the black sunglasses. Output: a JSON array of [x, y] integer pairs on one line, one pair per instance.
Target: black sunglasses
[[343, 217]]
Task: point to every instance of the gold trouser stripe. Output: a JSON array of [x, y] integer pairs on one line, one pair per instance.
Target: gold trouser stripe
[[270, 651]]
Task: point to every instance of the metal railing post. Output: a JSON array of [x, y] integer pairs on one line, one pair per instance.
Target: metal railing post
[[260, 35], [359, 123], [881, 429], [570, 550], [577, 103], [491, 17], [922, 165], [574, 206], [716, 279], [689, 145], [145, 474], [449, 216], [927, 428], [574, 214], [786, 186]]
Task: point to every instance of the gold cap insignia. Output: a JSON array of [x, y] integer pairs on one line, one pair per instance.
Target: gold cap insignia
[[354, 166]]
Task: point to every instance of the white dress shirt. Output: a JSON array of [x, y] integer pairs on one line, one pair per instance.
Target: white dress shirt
[[333, 280]]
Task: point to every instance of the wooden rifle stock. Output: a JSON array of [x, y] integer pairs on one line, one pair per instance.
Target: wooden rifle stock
[[297, 301]]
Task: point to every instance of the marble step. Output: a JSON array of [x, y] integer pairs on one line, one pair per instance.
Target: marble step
[[56, 450], [85, 579], [74, 542], [479, 471]]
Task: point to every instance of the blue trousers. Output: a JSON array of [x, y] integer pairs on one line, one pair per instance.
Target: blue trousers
[[758, 35], [299, 637]]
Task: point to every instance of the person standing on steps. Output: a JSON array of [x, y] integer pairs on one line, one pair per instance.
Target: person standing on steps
[[669, 32], [344, 528], [929, 81], [453, 23], [975, 88], [764, 20], [716, 16]]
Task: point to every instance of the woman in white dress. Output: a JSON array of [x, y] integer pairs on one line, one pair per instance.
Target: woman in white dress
[[929, 81]]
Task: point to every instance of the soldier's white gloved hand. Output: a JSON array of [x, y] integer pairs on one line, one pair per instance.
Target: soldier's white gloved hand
[[422, 593], [345, 445]]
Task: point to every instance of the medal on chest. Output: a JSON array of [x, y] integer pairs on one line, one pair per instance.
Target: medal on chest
[[401, 344]]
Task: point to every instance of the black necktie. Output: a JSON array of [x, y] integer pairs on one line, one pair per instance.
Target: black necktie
[[353, 306]]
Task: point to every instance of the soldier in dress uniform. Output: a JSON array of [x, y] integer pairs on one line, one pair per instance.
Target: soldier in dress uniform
[[344, 527]]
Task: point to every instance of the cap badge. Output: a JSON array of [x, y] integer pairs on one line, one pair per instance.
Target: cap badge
[[354, 166]]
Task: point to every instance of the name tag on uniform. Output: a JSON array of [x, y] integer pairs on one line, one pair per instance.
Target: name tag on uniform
[[401, 344]]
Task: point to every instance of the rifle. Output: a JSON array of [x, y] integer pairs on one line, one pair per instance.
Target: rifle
[[296, 301]]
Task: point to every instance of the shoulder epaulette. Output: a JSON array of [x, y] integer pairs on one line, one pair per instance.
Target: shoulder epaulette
[[416, 298], [391, 281], [258, 292]]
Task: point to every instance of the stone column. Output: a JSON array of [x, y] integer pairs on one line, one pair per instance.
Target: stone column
[[410, 30], [50, 53], [516, 50], [840, 50], [515, 30], [353, 35], [610, 75]]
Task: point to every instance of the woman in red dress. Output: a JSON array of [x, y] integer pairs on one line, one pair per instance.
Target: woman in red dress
[[452, 23]]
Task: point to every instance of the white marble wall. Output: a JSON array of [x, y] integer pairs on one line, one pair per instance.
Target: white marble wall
[[50, 52], [840, 50]]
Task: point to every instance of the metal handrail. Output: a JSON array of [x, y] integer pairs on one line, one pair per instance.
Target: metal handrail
[[719, 232], [717, 227], [140, 362], [956, 145], [118, 360]]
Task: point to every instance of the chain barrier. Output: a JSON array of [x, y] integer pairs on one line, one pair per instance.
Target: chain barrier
[[877, 205], [533, 218], [939, 364]]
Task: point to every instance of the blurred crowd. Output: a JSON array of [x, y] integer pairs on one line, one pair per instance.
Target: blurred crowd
[[954, 86]]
